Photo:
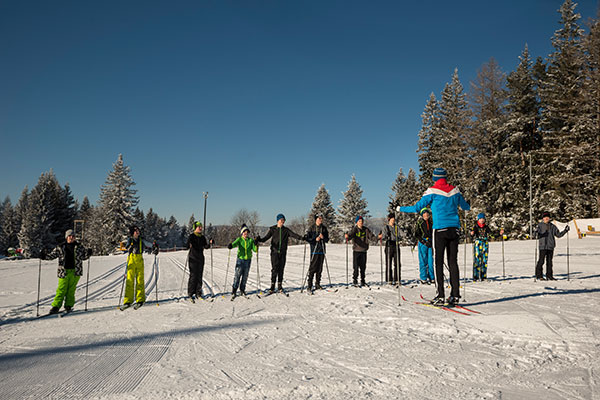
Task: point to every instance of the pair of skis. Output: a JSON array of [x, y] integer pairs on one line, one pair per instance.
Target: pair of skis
[[458, 309]]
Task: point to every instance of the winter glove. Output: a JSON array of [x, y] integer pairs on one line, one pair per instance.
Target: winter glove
[[428, 243], [230, 246], [257, 239], [43, 254], [305, 238], [567, 228], [89, 252]]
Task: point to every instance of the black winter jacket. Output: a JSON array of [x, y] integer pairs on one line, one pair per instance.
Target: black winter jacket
[[546, 233], [197, 244], [81, 254], [360, 238], [279, 238], [311, 236]]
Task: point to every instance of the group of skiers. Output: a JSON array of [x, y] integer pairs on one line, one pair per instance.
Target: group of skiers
[[436, 231]]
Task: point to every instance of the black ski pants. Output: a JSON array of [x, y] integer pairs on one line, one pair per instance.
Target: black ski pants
[[446, 240], [391, 263], [277, 267], [359, 261], [547, 255], [315, 268], [195, 281]]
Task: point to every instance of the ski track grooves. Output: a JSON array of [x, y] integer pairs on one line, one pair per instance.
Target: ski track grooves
[[102, 370]]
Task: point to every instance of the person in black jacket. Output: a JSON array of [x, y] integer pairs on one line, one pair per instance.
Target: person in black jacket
[[546, 232], [70, 268], [391, 234], [196, 244], [279, 236], [424, 235], [317, 236], [360, 236]]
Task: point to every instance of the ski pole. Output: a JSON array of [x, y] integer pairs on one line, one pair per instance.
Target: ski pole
[[156, 277], [258, 271], [347, 281], [212, 277], [503, 266], [568, 269], [226, 272], [398, 262], [381, 258], [39, 282], [123, 283], [183, 277], [303, 263], [87, 284], [327, 267]]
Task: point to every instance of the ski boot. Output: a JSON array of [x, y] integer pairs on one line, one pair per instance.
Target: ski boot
[[451, 301], [138, 305], [125, 306], [54, 310], [437, 301], [68, 309]]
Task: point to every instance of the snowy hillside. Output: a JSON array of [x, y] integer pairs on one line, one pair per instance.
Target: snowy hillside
[[528, 340]]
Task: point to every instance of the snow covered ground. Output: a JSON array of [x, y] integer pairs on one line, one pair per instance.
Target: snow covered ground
[[532, 339]]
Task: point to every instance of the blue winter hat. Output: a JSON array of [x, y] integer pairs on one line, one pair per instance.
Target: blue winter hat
[[357, 218], [280, 216], [439, 173], [481, 216]]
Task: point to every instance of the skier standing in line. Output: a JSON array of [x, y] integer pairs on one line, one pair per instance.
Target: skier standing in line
[[444, 200], [424, 236], [279, 236], [245, 248], [70, 268], [360, 236], [390, 233], [196, 244], [317, 236], [481, 233], [545, 232], [135, 270]]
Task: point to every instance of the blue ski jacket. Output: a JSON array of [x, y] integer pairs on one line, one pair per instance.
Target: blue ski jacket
[[443, 199]]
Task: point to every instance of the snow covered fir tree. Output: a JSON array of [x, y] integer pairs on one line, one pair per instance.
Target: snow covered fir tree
[[351, 205], [322, 205]]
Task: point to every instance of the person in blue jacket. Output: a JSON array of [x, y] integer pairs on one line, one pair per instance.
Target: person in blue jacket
[[443, 200]]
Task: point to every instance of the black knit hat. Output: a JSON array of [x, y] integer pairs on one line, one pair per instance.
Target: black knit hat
[[390, 216], [132, 229], [545, 214]]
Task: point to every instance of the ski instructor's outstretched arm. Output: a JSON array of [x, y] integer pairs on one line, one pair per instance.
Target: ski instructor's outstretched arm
[[444, 200]]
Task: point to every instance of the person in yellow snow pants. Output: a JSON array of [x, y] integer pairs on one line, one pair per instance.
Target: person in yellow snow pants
[[135, 270], [135, 278]]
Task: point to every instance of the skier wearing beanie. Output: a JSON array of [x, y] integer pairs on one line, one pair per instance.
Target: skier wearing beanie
[[444, 200], [279, 236], [481, 233], [545, 232], [196, 244], [245, 246], [135, 270], [70, 268], [317, 236], [424, 235], [391, 233], [360, 236]]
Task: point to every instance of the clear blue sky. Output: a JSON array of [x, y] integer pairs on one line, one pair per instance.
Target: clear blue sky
[[256, 102]]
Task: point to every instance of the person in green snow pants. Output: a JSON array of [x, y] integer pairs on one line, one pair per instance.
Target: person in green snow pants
[[70, 268]]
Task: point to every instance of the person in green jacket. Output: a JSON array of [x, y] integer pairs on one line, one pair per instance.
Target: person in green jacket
[[245, 246]]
